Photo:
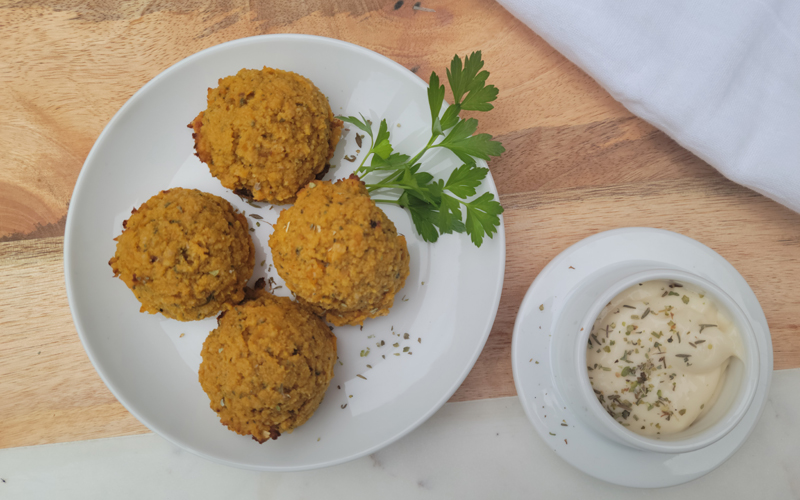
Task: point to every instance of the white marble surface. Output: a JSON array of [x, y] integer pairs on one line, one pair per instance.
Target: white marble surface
[[482, 449]]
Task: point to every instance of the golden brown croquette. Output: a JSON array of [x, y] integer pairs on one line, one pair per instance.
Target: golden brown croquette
[[267, 366], [339, 253], [266, 133], [184, 253]]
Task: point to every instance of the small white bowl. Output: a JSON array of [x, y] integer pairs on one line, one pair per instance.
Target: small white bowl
[[735, 396]]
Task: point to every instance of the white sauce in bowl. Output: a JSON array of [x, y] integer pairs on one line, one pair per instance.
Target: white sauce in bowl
[[658, 353]]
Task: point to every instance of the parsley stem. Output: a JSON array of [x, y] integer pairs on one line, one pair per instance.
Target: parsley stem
[[426, 148], [383, 185], [370, 153], [364, 170], [361, 167], [394, 202]]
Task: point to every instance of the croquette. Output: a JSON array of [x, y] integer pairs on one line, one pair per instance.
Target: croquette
[[185, 253], [266, 133], [267, 366], [339, 253]]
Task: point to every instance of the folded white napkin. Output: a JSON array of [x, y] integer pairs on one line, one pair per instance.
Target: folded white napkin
[[721, 77]]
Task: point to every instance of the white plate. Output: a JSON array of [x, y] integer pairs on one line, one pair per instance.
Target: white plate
[[596, 262], [152, 370]]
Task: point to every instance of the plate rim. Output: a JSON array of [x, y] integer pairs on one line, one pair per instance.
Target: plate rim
[[70, 241]]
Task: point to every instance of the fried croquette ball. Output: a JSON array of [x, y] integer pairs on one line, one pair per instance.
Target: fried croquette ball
[[184, 253], [339, 253], [266, 133], [267, 366]]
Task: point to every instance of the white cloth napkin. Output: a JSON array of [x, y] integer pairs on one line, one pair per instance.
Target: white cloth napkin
[[721, 77]]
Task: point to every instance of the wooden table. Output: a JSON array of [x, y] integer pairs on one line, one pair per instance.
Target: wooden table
[[577, 162]]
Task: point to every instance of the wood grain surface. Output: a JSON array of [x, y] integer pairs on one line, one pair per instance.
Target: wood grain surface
[[577, 162]]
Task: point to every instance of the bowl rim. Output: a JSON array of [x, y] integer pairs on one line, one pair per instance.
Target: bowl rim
[[740, 405]]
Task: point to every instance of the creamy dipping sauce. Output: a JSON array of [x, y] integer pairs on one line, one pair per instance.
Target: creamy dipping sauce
[[657, 355]]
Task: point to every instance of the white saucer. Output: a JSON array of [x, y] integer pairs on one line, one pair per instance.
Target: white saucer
[[594, 262]]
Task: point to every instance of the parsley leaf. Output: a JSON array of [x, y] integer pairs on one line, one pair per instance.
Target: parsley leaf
[[435, 100], [362, 124], [383, 149], [463, 180], [466, 146], [482, 216], [422, 215], [461, 79], [449, 212], [479, 99], [383, 133], [392, 162]]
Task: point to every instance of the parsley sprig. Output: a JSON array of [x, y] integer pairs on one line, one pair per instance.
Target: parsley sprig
[[438, 206]]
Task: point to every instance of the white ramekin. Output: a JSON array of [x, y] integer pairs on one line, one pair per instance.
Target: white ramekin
[[735, 396]]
